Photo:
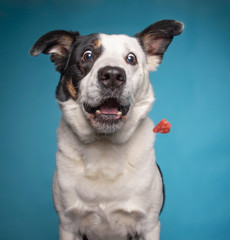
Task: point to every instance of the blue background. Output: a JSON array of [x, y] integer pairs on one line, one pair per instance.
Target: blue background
[[192, 91]]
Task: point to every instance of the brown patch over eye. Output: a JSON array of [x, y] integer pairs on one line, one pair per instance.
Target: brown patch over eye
[[71, 88], [96, 43]]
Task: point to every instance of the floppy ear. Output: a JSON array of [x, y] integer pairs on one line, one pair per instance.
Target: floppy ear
[[156, 38], [57, 44]]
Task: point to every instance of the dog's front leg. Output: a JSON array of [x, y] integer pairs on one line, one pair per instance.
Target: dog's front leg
[[66, 235], [153, 234]]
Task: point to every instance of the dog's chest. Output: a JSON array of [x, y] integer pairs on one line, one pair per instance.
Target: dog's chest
[[104, 186], [107, 174], [105, 200], [104, 161], [105, 190]]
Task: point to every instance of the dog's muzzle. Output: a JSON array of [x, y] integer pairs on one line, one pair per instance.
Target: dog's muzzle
[[110, 110]]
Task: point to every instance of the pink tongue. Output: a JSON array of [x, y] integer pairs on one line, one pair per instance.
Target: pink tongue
[[108, 110]]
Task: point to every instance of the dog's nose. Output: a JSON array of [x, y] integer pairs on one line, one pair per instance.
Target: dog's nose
[[112, 77]]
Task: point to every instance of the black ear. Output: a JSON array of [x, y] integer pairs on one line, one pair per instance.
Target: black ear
[[156, 38], [58, 44]]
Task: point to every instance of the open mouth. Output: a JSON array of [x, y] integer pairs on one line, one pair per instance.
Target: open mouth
[[109, 111]]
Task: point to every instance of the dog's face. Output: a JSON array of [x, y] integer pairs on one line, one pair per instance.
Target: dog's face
[[104, 85]]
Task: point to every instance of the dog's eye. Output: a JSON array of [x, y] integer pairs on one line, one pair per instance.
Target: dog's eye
[[87, 56], [131, 59]]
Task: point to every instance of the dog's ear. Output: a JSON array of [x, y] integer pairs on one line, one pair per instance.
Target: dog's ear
[[156, 38], [57, 44]]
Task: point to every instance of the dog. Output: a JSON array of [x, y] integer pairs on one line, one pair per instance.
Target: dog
[[107, 184]]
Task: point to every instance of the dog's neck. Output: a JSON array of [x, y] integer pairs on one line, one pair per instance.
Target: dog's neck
[[103, 158]]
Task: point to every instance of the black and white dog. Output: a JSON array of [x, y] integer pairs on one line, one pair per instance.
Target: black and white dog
[[107, 185]]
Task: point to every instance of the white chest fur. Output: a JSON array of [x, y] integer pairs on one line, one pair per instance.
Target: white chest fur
[[106, 186]]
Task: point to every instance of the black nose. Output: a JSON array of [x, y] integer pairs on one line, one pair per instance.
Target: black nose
[[111, 77]]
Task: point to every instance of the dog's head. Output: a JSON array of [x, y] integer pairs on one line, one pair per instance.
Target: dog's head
[[104, 87]]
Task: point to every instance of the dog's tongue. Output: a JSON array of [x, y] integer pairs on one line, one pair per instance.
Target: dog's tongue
[[108, 110]]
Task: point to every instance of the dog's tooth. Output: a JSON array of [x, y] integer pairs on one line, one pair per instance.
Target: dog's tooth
[[98, 111], [119, 113]]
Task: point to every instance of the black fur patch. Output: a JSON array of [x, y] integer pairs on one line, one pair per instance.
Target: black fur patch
[[163, 189], [66, 49], [84, 238], [156, 38], [76, 68]]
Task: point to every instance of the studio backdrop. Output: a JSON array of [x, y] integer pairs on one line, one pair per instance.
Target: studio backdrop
[[191, 88]]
